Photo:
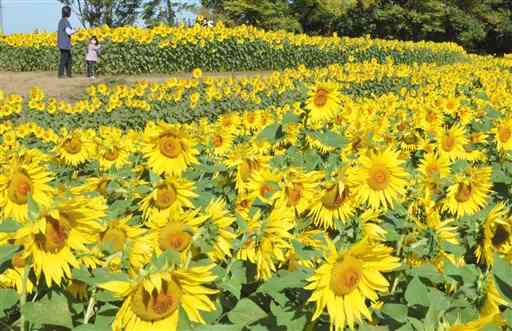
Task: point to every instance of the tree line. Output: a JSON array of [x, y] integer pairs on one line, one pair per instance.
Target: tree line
[[481, 26]]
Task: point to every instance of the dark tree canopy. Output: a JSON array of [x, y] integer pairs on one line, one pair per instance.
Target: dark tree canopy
[[478, 25], [109, 12]]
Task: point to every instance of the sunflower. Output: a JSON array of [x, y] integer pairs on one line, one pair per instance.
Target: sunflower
[[175, 232], [218, 226], [266, 241], [298, 189], [170, 194], [323, 102], [475, 325], [169, 148], [52, 240], [451, 143], [20, 180], [503, 134], [153, 303], [379, 179], [434, 166], [246, 162], [493, 298], [334, 201], [308, 238], [74, 148], [263, 185], [220, 141], [496, 235], [13, 278], [347, 279], [113, 149], [469, 192]]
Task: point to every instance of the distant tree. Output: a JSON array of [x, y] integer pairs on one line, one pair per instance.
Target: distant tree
[[105, 12], [163, 11], [267, 14]]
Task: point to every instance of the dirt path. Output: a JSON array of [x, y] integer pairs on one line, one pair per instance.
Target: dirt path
[[73, 89]]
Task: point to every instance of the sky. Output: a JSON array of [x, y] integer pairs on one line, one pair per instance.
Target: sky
[[22, 16]]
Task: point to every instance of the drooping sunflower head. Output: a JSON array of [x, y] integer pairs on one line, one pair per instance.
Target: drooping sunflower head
[[153, 303], [503, 134], [496, 235], [335, 200]]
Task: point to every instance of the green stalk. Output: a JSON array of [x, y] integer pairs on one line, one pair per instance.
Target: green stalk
[[23, 298]]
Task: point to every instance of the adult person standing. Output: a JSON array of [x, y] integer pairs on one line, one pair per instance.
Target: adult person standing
[[64, 33]]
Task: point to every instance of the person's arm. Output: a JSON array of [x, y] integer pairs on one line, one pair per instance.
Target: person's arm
[[70, 31]]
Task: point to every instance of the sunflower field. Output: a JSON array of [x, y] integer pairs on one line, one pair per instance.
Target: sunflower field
[[370, 194], [165, 49]]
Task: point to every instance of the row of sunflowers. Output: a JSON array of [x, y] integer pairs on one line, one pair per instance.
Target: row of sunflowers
[[165, 49], [370, 196]]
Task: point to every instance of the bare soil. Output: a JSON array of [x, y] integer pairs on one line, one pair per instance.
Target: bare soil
[[74, 88]]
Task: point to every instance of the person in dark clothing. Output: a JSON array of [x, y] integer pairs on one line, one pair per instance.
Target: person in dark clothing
[[64, 33]]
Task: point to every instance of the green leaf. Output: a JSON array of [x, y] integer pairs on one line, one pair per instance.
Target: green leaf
[[7, 252], [331, 139], [283, 280], [429, 272], [220, 327], [416, 293], [10, 226], [8, 298], [502, 271], [154, 178], [89, 327], [246, 312], [397, 312], [33, 208], [44, 312], [290, 117], [271, 132], [507, 315], [287, 318]]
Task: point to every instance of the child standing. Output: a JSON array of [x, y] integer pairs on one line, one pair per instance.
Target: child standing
[[93, 51]]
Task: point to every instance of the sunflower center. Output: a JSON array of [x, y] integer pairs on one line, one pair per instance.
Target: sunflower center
[[266, 190], [174, 237], [431, 116], [504, 134], [448, 143], [432, 169], [102, 186], [378, 177], [246, 169], [333, 198], [111, 154], [463, 192], [18, 261], [294, 193], [217, 141], [73, 145], [170, 146], [54, 239], [19, 188], [156, 305], [320, 98], [165, 197], [116, 238], [345, 276], [501, 235]]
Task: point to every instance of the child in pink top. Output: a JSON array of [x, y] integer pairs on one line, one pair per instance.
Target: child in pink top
[[93, 51]]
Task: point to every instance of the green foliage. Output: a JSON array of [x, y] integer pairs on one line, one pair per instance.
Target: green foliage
[[105, 12]]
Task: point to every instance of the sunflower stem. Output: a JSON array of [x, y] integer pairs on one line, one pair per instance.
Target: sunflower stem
[[90, 307], [23, 296]]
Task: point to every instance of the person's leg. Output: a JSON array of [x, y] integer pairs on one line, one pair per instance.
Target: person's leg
[[69, 64], [93, 69], [89, 71], [62, 63]]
